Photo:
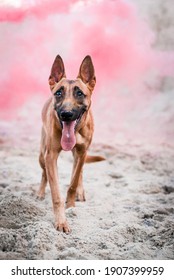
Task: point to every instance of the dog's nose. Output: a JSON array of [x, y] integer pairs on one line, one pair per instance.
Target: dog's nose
[[66, 115]]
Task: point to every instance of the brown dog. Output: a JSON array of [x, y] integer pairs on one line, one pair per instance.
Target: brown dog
[[67, 125]]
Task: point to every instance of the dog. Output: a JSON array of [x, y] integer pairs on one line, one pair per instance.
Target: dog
[[67, 125]]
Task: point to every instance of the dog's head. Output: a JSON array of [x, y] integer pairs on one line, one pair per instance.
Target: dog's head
[[72, 98]]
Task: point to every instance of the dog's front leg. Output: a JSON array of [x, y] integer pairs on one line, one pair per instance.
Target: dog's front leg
[[79, 160], [58, 204]]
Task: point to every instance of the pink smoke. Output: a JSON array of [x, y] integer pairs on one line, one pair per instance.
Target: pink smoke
[[112, 32], [40, 9], [116, 38], [25, 51]]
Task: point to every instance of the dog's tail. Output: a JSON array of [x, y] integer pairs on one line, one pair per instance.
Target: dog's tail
[[90, 159]]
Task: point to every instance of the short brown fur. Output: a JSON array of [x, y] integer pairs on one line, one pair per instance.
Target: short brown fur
[[52, 133]]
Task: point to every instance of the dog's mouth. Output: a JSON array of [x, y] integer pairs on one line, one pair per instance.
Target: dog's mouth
[[75, 120], [68, 139]]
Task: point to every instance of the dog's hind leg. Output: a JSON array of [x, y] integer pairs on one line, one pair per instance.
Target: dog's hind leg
[[80, 193], [76, 188], [41, 192]]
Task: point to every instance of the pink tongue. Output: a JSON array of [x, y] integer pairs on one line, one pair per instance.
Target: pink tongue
[[68, 139]]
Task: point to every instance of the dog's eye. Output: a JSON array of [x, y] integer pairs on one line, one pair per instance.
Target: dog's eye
[[58, 93], [79, 93]]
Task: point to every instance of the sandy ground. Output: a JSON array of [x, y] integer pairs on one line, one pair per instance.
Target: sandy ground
[[129, 211]]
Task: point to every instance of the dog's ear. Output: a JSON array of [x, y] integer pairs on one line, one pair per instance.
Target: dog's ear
[[87, 73], [57, 71]]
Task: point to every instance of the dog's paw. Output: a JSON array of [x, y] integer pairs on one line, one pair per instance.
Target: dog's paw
[[63, 227], [80, 196], [41, 195], [70, 204]]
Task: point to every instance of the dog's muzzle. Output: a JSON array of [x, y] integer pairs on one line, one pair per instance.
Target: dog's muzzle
[[69, 121], [70, 115], [66, 116]]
